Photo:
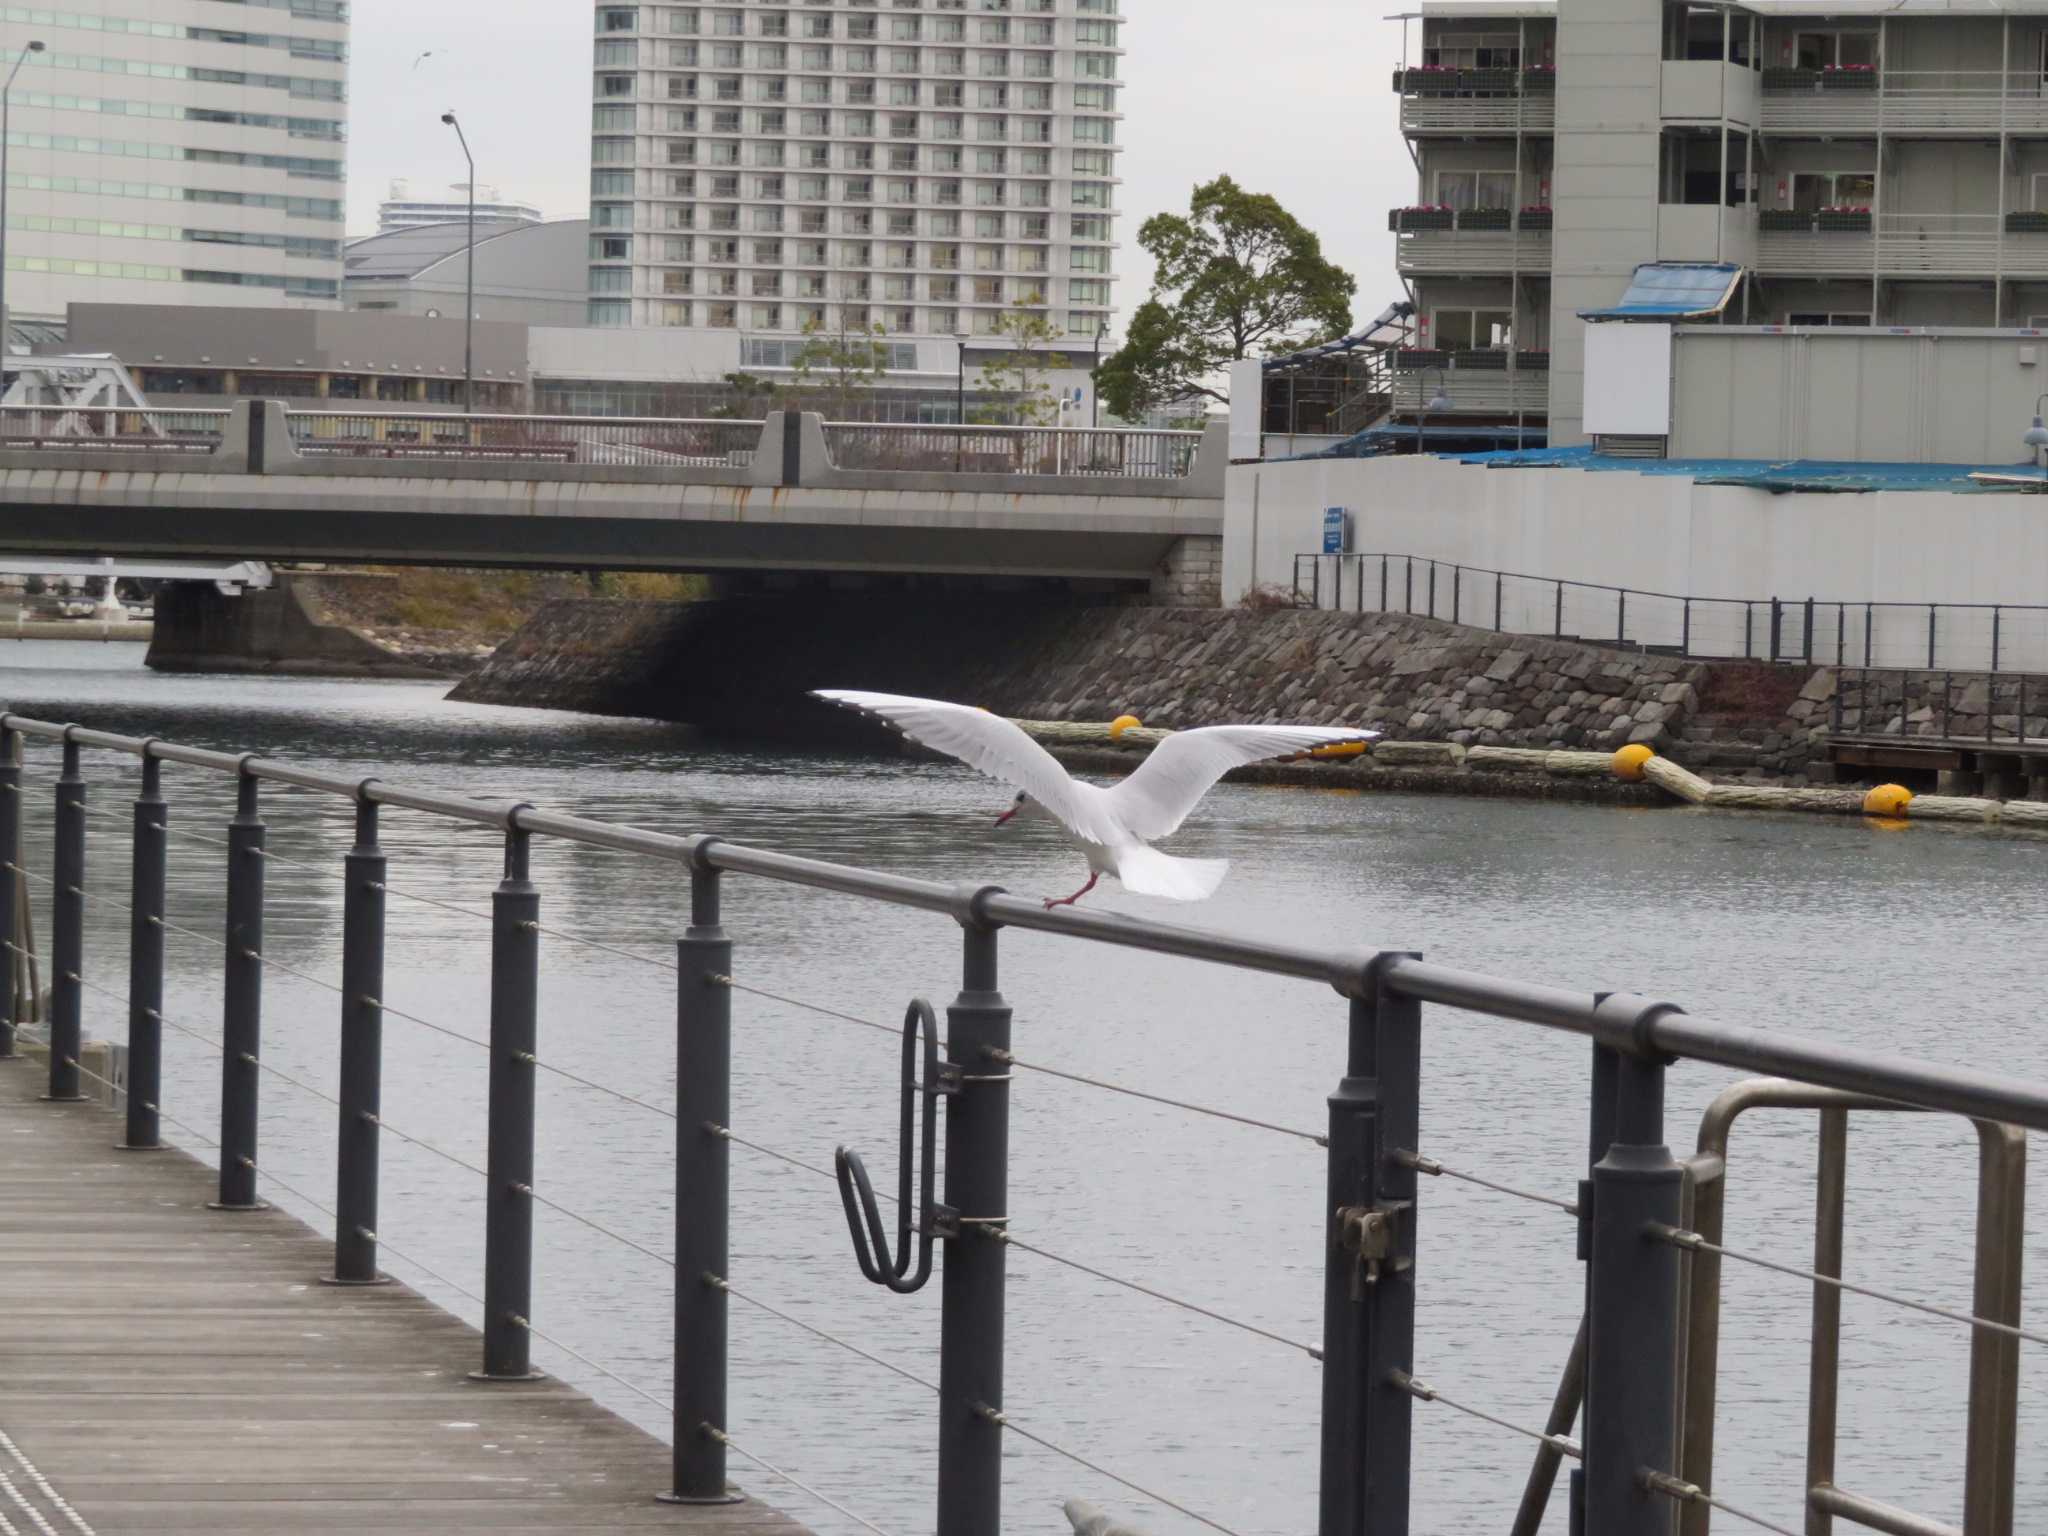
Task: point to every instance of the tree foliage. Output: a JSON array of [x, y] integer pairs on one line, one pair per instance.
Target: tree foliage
[[1021, 375], [842, 365], [1238, 276]]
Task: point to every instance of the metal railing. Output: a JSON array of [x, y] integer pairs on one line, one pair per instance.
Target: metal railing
[[651, 441], [1905, 101], [1118, 452], [1988, 637], [1630, 1211], [100, 426], [1979, 708]]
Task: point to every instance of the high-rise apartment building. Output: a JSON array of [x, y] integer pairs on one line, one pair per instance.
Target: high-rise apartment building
[[1864, 162], [920, 165], [176, 151]]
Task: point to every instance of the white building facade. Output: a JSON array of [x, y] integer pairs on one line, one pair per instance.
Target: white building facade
[[401, 210], [176, 151], [922, 166]]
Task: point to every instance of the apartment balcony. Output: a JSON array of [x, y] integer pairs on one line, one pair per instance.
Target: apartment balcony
[[1473, 241], [1968, 246], [1456, 102], [1912, 103], [1484, 383]]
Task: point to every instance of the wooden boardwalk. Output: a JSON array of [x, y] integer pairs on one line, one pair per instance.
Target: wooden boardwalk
[[166, 1368]]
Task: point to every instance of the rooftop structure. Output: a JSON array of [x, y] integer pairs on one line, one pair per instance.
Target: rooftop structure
[[1863, 163], [527, 272], [924, 169], [401, 210], [179, 152]]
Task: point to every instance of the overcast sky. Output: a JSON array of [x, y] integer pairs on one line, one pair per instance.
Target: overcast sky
[[1292, 97]]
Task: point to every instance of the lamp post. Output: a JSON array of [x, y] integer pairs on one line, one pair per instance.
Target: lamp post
[[6, 93], [2036, 436], [1095, 381], [960, 404], [1438, 403], [469, 278]]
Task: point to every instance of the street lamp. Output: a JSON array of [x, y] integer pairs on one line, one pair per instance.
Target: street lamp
[[469, 280], [1095, 380], [6, 93], [1438, 403], [2036, 436], [960, 405]]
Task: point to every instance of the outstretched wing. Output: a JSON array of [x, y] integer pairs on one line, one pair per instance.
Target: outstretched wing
[[993, 745], [1157, 798]]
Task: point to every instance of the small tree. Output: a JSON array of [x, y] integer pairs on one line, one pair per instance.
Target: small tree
[[1022, 372], [843, 365], [1237, 277], [752, 396]]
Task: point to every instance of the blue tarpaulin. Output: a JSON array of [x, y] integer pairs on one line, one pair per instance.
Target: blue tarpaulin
[[1767, 474], [1674, 290]]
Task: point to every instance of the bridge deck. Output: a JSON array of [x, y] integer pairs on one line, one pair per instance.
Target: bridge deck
[[166, 1368]]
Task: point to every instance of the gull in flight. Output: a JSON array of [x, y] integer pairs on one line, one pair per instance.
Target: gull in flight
[[1115, 827]]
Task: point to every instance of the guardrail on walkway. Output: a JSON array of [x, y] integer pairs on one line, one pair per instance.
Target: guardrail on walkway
[[548, 439], [1989, 637], [95, 427], [1639, 1468], [1113, 452]]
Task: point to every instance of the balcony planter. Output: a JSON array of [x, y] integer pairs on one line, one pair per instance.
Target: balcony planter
[[1540, 77], [1783, 218], [1851, 221], [1535, 217], [1420, 357], [1533, 362], [1480, 362], [1427, 217], [2026, 223], [1852, 77], [1791, 79], [1484, 218], [1488, 79], [1426, 80]]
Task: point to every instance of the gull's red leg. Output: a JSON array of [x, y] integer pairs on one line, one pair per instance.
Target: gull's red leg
[[1068, 901]]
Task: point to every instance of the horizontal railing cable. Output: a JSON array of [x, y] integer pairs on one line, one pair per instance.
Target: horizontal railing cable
[[995, 1416], [1435, 1170], [774, 1471], [719, 1283], [1422, 1391], [1693, 1242], [1690, 1493]]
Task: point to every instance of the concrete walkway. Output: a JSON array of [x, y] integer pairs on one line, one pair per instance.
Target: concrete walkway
[[166, 1368]]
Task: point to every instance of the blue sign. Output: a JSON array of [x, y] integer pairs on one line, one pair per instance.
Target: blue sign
[[1336, 531]]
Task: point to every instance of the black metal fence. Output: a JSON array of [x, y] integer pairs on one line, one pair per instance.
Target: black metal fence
[[1630, 1211], [1990, 637]]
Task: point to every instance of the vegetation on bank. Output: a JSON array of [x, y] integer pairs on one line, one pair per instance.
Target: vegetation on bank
[[483, 606]]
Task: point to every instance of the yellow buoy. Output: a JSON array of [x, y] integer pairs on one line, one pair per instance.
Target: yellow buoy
[[1340, 749], [1887, 800], [1628, 762], [1123, 723]]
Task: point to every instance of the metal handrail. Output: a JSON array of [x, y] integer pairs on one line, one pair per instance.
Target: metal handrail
[[450, 418]]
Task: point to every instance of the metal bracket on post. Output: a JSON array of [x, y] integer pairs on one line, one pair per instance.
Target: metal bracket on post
[[1368, 1232], [871, 1247]]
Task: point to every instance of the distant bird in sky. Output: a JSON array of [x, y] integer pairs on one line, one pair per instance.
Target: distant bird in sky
[[1114, 828], [425, 53]]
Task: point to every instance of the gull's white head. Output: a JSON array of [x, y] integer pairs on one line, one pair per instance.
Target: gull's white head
[[1018, 807]]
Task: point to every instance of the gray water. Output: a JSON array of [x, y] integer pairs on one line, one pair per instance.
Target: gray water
[[1924, 940]]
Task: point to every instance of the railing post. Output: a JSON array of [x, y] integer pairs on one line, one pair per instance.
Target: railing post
[[1432, 589], [1685, 628], [1408, 586], [10, 882], [1557, 625], [1368, 1268], [508, 1213], [1841, 634], [1633, 1334], [1748, 629], [1621, 616], [67, 930], [1777, 625], [1807, 634], [242, 1009], [1496, 602], [1994, 636], [1869, 623], [1457, 592], [703, 1173], [147, 858], [1383, 583], [977, 1196], [362, 1053], [1315, 577], [1930, 637]]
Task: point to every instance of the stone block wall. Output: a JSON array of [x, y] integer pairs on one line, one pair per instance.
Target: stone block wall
[[1191, 575]]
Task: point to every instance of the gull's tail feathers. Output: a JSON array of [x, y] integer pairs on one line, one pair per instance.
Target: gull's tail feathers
[[1148, 872]]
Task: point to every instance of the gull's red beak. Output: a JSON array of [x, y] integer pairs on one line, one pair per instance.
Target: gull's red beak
[[1006, 815]]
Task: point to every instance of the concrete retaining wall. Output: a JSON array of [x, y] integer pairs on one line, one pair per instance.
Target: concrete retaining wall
[[283, 629]]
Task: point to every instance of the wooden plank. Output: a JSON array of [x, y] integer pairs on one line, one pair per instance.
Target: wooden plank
[[167, 1368]]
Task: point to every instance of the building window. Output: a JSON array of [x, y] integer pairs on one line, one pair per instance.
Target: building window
[[1471, 330], [1476, 189], [1812, 190], [605, 312]]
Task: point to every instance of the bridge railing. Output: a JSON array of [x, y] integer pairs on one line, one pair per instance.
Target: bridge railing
[[1812, 631], [1113, 453], [94, 428], [1647, 1246], [642, 441]]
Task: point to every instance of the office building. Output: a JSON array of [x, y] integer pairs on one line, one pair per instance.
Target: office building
[[1880, 164], [176, 151], [401, 210], [923, 166]]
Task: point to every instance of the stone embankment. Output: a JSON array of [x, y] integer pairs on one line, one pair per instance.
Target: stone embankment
[[744, 665], [305, 625]]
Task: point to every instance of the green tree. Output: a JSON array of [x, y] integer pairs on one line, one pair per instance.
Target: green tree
[[1238, 276], [842, 366], [752, 396], [1021, 375]]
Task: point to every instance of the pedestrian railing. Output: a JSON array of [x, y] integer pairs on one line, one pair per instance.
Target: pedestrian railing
[[651, 441], [96, 427], [1980, 708], [995, 450], [1647, 1241], [1812, 631]]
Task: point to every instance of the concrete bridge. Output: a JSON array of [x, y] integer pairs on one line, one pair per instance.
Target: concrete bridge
[[790, 493]]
